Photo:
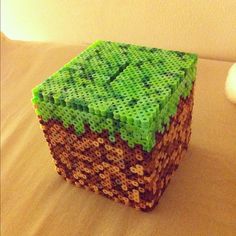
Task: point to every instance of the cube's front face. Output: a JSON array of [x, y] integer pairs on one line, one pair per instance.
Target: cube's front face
[[117, 119]]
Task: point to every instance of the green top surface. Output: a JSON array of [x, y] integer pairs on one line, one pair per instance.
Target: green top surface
[[124, 84]]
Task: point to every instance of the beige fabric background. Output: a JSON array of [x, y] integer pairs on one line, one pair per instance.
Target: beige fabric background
[[207, 27], [199, 201]]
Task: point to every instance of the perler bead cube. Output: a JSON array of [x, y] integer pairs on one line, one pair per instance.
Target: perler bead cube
[[117, 119]]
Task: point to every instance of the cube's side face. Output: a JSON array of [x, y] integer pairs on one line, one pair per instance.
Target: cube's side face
[[128, 175]]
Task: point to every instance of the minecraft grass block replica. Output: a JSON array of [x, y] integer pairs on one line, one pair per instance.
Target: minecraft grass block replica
[[117, 119]]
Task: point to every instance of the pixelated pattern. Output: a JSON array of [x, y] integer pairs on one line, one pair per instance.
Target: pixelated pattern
[[117, 119], [125, 89], [128, 175]]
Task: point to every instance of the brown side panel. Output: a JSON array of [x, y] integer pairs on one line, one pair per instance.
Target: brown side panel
[[128, 175]]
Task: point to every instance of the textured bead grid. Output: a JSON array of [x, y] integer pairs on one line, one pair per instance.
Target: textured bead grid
[[117, 119]]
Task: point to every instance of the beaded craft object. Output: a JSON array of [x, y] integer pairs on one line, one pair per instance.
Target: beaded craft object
[[117, 119]]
